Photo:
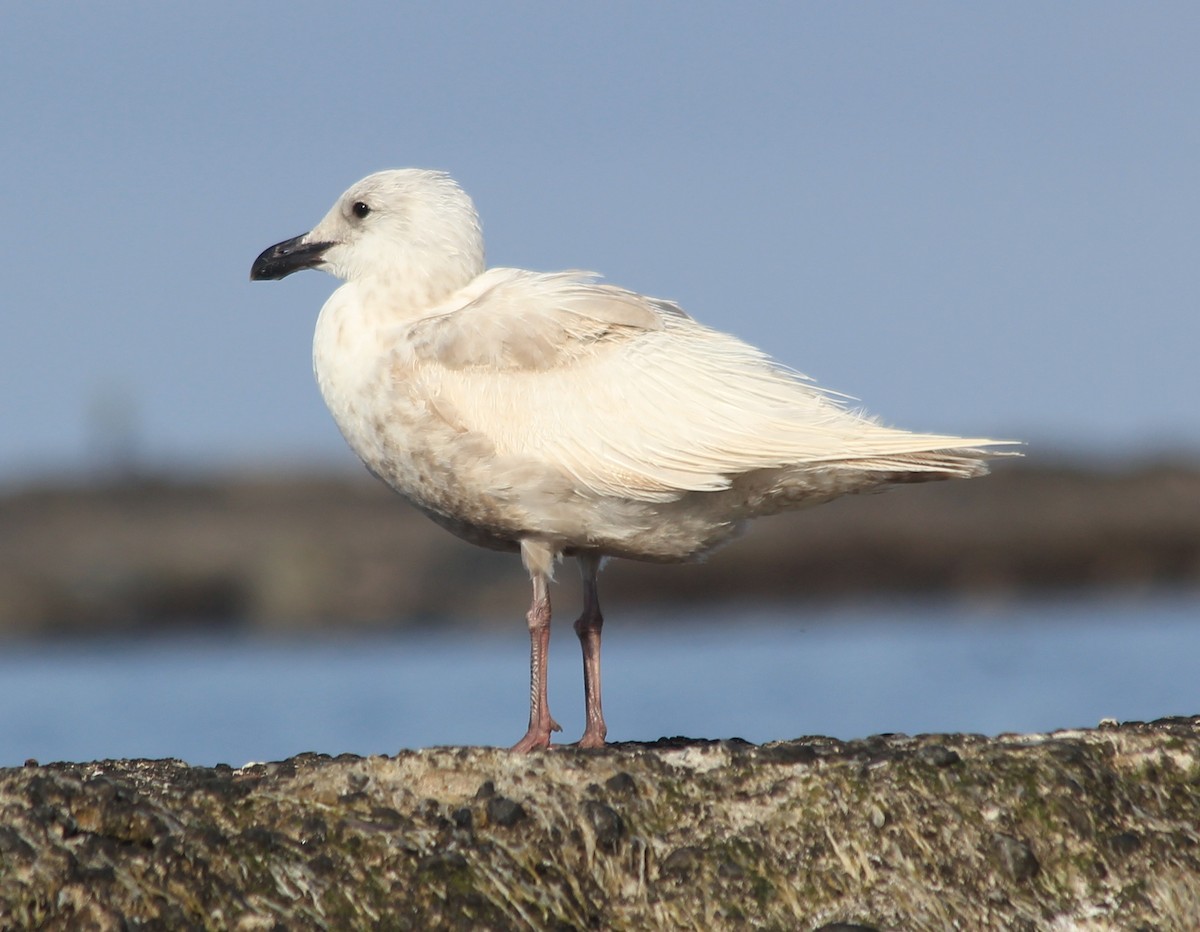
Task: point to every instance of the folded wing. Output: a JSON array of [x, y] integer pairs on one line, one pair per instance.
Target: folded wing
[[632, 398]]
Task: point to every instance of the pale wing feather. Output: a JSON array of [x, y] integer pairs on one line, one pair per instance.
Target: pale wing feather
[[517, 320], [642, 412]]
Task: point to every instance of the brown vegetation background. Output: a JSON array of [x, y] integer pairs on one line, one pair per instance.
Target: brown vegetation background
[[297, 551]]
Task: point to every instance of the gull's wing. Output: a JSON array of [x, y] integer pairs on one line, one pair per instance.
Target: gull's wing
[[525, 321], [632, 398]]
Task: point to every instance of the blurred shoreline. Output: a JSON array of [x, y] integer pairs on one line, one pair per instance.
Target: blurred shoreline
[[295, 552]]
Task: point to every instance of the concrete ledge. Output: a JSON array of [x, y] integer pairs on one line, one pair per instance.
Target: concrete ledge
[[1092, 829]]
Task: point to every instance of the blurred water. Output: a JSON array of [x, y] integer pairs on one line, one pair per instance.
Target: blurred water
[[847, 672]]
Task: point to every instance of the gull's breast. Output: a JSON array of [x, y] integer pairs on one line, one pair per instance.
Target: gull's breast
[[397, 427]]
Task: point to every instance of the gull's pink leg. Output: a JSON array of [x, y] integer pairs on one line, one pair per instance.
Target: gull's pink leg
[[541, 725], [588, 628]]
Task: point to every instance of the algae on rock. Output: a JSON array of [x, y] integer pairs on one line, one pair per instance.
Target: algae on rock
[[1096, 829]]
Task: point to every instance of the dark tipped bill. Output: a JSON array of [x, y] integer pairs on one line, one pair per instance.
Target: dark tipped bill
[[287, 257]]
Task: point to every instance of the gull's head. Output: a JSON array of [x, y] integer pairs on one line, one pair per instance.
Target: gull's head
[[407, 226]]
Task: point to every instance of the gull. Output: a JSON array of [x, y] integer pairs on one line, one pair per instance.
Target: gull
[[554, 415]]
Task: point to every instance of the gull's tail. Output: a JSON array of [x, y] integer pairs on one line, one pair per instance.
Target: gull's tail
[[929, 465]]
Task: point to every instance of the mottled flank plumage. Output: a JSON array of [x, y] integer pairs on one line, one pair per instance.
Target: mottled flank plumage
[[557, 415]]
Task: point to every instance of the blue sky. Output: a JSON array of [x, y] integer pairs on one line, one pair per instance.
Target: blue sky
[[974, 218]]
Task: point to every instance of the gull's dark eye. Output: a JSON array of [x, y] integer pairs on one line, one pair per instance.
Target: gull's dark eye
[[361, 209]]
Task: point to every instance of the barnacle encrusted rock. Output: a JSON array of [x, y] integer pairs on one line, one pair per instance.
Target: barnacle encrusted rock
[[1096, 829]]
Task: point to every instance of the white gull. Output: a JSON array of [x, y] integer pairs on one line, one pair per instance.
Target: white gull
[[554, 415]]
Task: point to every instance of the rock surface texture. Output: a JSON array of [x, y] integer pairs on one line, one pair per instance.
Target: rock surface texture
[[1096, 829]]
